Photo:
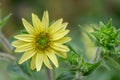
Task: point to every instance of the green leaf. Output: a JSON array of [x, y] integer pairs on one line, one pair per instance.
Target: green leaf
[[109, 24], [95, 29], [4, 21], [23, 31], [96, 34], [89, 68], [102, 24]]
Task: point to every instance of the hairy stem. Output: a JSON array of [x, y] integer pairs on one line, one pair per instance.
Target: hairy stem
[[78, 76], [96, 54], [48, 71], [54, 73]]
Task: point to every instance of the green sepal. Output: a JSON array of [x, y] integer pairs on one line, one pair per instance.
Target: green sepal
[[73, 57], [23, 31], [89, 68]]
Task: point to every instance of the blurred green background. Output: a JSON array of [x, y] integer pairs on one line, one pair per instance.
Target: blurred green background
[[83, 12]]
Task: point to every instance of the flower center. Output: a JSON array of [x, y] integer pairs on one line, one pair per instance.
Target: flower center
[[42, 41]]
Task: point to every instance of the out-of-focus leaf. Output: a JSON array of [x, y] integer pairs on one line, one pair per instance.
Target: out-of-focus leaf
[[65, 76], [95, 29], [105, 65], [25, 68], [88, 34], [4, 20], [96, 34], [14, 68], [113, 62]]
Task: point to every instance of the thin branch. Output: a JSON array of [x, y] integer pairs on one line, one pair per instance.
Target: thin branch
[[7, 56], [5, 43]]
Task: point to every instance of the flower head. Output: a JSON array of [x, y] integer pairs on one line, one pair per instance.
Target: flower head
[[106, 36], [42, 42]]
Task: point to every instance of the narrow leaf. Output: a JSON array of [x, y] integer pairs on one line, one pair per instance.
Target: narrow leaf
[[109, 24], [102, 24], [4, 20]]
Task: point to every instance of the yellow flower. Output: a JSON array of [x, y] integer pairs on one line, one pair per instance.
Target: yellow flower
[[42, 42]]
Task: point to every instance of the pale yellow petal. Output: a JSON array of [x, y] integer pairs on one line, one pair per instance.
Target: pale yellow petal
[[61, 54], [63, 40], [59, 47], [46, 61], [32, 64], [28, 26], [27, 55], [60, 34], [64, 25], [39, 61], [25, 47], [18, 43], [55, 26], [53, 58], [24, 37], [45, 20], [37, 23]]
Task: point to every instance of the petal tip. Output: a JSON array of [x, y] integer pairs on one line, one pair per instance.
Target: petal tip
[[20, 62]]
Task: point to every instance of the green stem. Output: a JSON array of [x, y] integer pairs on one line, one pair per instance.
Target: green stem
[[72, 49]]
